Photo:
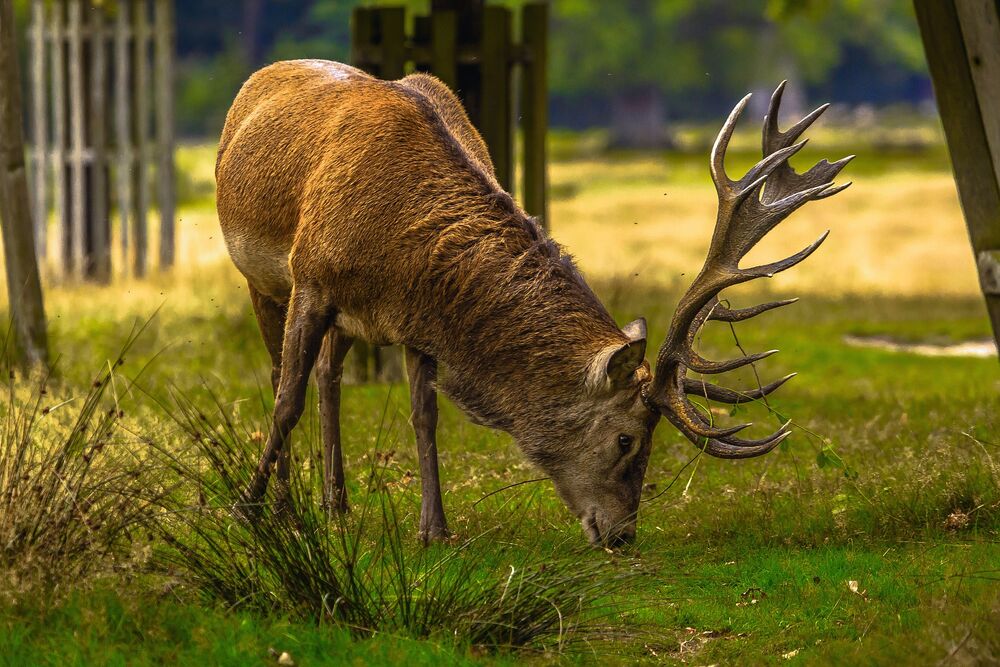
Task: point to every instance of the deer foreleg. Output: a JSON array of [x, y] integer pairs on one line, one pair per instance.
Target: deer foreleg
[[422, 371]]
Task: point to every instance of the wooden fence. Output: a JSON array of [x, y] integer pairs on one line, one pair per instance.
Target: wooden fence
[[470, 46], [101, 83]]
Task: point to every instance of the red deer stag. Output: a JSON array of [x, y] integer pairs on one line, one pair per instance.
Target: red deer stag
[[361, 208]]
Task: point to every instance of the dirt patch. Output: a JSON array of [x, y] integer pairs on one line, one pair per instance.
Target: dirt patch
[[970, 348]]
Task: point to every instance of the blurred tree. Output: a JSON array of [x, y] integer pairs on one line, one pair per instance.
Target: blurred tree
[[623, 63], [634, 52], [324, 31], [24, 291], [640, 52]]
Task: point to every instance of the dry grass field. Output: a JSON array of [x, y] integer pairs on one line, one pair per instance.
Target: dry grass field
[[897, 231]]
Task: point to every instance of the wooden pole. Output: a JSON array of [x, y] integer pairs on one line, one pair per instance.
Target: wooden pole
[[140, 185], [77, 107], [444, 43], [535, 108], [495, 114], [99, 246], [392, 26], [123, 127], [60, 191], [164, 46], [39, 126], [24, 288], [962, 42], [386, 363], [362, 42], [361, 38]]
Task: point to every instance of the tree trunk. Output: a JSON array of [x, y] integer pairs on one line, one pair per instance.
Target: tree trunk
[[638, 119], [774, 63], [253, 10], [23, 286]]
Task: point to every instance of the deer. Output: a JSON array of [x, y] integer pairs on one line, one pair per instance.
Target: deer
[[358, 208]]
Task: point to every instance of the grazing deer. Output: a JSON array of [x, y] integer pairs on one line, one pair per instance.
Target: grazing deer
[[361, 208]]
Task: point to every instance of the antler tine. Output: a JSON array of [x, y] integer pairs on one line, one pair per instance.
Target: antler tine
[[723, 314], [698, 364], [784, 179], [768, 270], [721, 144], [724, 450], [835, 190], [714, 392], [773, 137], [748, 209]]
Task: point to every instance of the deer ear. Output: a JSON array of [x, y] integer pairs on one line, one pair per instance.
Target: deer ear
[[636, 331], [623, 362]]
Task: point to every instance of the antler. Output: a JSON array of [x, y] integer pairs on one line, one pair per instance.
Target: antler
[[748, 209]]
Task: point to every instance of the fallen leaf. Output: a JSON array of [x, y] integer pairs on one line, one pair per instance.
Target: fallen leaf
[[854, 588], [957, 520]]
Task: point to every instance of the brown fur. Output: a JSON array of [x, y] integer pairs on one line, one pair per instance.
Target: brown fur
[[377, 201]]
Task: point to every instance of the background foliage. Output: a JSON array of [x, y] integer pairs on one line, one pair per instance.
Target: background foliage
[[693, 57]]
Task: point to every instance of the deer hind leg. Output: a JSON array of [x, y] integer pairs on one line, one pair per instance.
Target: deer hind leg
[[271, 316], [422, 371], [329, 371], [309, 316]]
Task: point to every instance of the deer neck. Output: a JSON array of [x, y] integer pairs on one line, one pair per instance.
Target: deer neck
[[518, 326]]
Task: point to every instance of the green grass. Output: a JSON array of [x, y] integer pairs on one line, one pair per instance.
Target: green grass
[[918, 437], [890, 480], [108, 625]]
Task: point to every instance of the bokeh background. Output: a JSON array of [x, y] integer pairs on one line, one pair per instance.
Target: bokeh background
[[638, 90]]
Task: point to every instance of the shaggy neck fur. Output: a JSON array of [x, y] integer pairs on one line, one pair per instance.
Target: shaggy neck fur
[[503, 309], [519, 328]]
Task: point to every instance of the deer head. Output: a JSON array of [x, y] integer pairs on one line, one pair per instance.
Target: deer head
[[601, 481]]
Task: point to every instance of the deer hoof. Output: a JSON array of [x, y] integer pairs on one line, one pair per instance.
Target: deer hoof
[[335, 502], [336, 507], [437, 533]]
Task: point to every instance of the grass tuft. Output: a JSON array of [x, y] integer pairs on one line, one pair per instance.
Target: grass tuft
[[67, 485], [365, 570]]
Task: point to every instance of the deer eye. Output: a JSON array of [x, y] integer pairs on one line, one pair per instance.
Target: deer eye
[[625, 442]]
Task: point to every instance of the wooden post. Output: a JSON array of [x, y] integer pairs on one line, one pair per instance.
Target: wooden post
[[39, 126], [392, 29], [77, 108], [495, 113], [164, 45], [23, 286], [535, 108], [962, 42], [363, 21], [140, 89], [361, 38], [99, 241], [444, 43], [60, 190], [387, 362], [123, 128], [468, 72]]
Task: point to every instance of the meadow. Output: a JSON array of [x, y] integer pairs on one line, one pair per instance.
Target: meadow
[[869, 537]]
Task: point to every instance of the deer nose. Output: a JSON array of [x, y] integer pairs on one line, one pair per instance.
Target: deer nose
[[622, 538]]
